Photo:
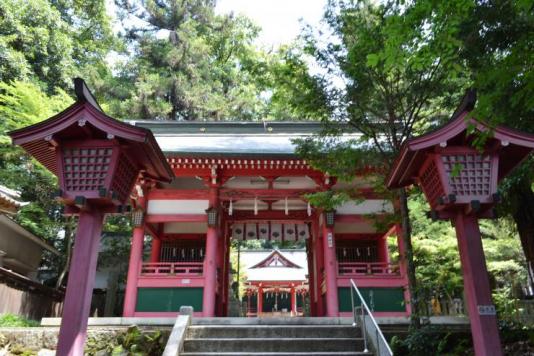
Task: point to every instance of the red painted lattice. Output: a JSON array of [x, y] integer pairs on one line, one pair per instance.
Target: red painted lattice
[[85, 169], [431, 183], [468, 174], [124, 178]]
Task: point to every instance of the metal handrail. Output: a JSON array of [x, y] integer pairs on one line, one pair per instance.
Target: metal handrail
[[369, 328]]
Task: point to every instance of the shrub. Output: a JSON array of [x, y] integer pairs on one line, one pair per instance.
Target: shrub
[[12, 320], [131, 342]]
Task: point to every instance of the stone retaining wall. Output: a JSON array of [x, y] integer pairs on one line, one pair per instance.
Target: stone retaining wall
[[38, 338]]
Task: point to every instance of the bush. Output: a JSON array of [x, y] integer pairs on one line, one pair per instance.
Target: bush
[[12, 320], [131, 342], [431, 340]]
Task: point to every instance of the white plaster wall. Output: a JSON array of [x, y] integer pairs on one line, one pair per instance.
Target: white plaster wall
[[370, 206], [177, 206]]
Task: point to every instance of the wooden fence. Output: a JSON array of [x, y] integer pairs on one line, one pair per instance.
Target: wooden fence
[[23, 296]]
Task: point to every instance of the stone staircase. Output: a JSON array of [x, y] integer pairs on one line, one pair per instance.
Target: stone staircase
[[275, 339]]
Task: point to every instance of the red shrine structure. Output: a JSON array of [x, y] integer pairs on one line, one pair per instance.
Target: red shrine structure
[[242, 180], [460, 184], [276, 282], [195, 186]]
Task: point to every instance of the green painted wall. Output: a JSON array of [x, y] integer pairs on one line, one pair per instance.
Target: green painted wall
[[384, 299], [168, 299]]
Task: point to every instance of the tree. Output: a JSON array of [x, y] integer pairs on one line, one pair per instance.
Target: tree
[[401, 73], [498, 42], [35, 43], [188, 63], [23, 104], [52, 42]]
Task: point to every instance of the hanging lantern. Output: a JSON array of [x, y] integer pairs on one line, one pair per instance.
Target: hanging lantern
[[138, 217], [329, 217], [212, 217]]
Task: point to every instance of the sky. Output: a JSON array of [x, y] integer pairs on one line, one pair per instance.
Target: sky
[[279, 19]]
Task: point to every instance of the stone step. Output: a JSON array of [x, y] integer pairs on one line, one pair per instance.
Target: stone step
[[286, 345], [273, 321], [272, 331], [324, 353]]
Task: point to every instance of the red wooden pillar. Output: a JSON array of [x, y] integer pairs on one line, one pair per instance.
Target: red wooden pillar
[[259, 304], [134, 267], [210, 260], [311, 274], [80, 283], [155, 250], [319, 267], [330, 267], [293, 302], [476, 286], [227, 268]]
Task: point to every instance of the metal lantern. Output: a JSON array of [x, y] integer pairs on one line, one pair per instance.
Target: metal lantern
[[138, 217], [330, 218], [212, 217]]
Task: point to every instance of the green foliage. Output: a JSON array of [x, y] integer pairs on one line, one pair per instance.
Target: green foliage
[[327, 200], [12, 320], [187, 63], [431, 340], [438, 263], [238, 265], [132, 342]]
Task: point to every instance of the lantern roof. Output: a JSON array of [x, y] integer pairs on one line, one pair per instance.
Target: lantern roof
[[512, 146], [85, 120]]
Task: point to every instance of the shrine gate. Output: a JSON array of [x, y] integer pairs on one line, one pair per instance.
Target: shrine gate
[[242, 180]]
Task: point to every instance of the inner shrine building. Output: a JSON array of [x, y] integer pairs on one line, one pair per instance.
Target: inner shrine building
[[243, 181]]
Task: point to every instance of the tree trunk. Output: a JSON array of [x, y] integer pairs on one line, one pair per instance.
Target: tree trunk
[[408, 256], [523, 215], [69, 236]]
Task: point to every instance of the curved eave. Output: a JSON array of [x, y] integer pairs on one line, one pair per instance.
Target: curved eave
[[32, 138], [514, 145]]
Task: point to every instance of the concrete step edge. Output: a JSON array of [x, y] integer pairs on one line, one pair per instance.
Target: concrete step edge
[[274, 326], [252, 339], [282, 353]]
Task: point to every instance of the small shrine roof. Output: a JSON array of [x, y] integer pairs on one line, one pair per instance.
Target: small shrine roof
[[267, 138], [514, 146], [10, 200], [85, 119], [297, 272]]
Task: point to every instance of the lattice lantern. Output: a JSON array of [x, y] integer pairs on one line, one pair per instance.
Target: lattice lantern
[[453, 174], [459, 176], [96, 158], [97, 170]]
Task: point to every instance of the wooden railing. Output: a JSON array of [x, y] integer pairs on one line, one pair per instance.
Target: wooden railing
[[368, 268], [163, 269]]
